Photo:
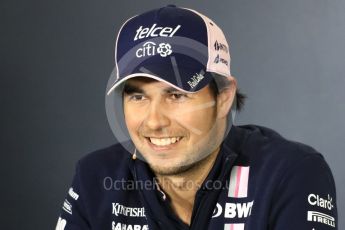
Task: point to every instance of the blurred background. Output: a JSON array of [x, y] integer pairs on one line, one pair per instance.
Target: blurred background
[[56, 58]]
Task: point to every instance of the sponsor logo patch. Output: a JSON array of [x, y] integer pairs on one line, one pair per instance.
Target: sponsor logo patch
[[217, 211], [73, 194], [155, 31], [119, 209], [67, 206], [164, 49], [194, 81], [61, 224], [234, 210], [321, 218], [316, 200], [151, 49], [239, 210], [121, 226]]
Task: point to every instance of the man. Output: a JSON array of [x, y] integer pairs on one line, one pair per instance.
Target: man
[[181, 163]]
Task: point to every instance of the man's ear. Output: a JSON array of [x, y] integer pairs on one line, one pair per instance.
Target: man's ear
[[225, 98]]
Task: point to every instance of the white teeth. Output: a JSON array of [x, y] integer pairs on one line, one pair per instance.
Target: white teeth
[[164, 141]]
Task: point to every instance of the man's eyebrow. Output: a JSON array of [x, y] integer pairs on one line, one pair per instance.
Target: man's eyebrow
[[130, 89], [172, 90]]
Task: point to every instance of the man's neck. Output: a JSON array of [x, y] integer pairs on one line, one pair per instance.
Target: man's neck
[[181, 188]]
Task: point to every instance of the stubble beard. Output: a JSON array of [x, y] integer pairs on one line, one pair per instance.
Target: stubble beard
[[180, 167], [194, 160]]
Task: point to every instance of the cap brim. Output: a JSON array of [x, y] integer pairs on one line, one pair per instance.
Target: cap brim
[[207, 77]]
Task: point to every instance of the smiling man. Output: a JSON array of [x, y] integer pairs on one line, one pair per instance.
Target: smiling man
[[181, 163], [179, 134], [175, 130]]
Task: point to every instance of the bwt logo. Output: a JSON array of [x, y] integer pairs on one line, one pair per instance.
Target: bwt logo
[[234, 210], [150, 49]]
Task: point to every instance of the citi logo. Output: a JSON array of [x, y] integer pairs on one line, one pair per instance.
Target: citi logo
[[155, 31], [219, 59], [219, 46], [234, 210], [321, 218], [151, 48]]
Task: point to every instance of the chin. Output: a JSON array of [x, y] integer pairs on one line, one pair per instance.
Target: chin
[[170, 170]]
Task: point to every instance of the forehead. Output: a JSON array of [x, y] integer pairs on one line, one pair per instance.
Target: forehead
[[148, 84], [138, 81], [152, 86]]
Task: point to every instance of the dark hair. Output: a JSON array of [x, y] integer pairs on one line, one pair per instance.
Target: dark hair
[[240, 97]]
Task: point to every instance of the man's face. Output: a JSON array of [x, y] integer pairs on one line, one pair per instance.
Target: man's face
[[173, 130]]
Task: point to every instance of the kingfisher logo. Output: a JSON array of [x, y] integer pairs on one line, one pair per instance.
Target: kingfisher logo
[[119, 209], [151, 49], [155, 31], [321, 218]]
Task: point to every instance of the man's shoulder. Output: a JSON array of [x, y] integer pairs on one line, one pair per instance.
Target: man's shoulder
[[265, 143], [270, 155], [105, 160]]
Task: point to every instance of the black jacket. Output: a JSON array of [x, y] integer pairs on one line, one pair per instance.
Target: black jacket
[[259, 181]]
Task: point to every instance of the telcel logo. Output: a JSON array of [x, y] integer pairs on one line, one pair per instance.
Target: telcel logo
[[155, 32], [316, 200]]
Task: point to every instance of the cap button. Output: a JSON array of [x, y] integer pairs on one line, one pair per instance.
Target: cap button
[[171, 5]]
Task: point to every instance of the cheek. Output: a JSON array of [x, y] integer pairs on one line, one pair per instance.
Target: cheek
[[198, 122], [132, 119]]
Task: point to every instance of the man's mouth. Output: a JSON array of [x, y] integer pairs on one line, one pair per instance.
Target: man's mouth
[[164, 141]]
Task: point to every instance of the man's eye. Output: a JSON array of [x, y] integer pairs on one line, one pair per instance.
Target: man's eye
[[177, 96], [137, 97]]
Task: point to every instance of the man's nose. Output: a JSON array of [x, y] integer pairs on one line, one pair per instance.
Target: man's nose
[[156, 117]]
